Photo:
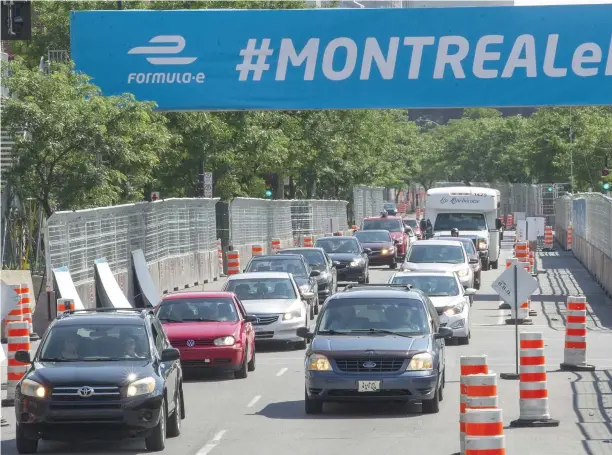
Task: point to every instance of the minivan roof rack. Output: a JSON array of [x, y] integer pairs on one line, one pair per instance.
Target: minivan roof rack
[[141, 311], [406, 287]]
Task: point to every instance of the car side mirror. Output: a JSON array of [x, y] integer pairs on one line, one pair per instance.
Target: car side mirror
[[498, 223], [23, 356], [469, 291], [444, 332], [423, 225], [367, 251], [303, 332], [250, 318], [315, 273], [474, 261], [170, 354]]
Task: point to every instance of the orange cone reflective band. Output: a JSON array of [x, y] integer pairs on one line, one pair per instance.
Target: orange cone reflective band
[[577, 303], [64, 305], [308, 242], [257, 250], [473, 364], [276, 245]]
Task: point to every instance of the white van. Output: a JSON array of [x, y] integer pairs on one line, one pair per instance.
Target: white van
[[471, 210]]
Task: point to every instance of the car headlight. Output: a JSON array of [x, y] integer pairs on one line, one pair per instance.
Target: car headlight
[[463, 273], [295, 314], [421, 362], [318, 362], [453, 310], [357, 263], [31, 388], [482, 244], [225, 341], [141, 387]]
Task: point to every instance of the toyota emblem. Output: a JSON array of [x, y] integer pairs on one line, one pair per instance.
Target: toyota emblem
[[190, 343], [85, 392]]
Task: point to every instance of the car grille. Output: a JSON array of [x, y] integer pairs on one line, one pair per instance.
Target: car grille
[[265, 319], [340, 265], [264, 335], [204, 363], [100, 393], [183, 343], [382, 364]]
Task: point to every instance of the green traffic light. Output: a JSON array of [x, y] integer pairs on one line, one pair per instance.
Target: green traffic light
[[268, 193], [550, 189], [606, 186]]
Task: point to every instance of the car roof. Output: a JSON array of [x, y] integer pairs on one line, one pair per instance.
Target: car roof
[[438, 242], [321, 250], [374, 230], [255, 275], [388, 217], [377, 293], [273, 257], [425, 273], [128, 317], [338, 237], [198, 295]]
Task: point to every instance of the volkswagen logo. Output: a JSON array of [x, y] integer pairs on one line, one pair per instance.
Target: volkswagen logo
[[369, 364], [190, 343], [85, 392]]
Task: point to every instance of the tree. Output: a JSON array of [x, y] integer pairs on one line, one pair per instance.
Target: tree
[[80, 149]]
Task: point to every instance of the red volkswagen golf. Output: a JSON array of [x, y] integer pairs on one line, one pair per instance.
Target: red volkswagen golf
[[211, 330]]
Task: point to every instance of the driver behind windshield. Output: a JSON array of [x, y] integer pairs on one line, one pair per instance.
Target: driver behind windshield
[[343, 318], [403, 319]]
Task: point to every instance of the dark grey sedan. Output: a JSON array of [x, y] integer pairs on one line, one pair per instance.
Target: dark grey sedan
[[318, 260], [376, 342]]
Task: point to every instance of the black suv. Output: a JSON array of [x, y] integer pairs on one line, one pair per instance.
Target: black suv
[[100, 374]]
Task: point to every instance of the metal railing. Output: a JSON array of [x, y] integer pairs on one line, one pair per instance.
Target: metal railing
[[590, 216]]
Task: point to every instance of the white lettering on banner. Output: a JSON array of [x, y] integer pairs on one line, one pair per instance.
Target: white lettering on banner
[[287, 53], [341, 56], [166, 78], [349, 63]]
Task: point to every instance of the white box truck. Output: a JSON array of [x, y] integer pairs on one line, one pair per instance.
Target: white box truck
[[473, 211]]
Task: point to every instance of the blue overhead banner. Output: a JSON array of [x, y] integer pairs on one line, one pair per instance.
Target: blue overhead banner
[[350, 58]]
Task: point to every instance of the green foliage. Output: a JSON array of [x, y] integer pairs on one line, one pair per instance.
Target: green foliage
[[81, 149]]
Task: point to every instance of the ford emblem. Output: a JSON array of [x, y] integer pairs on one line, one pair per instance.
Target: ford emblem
[[369, 364], [190, 343]]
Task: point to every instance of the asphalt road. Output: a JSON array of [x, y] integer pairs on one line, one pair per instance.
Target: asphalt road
[[265, 413]]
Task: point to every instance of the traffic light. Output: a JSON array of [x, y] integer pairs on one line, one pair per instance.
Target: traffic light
[[268, 193], [550, 188], [16, 21], [605, 172]]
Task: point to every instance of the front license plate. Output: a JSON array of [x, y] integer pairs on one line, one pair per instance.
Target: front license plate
[[368, 386], [258, 329]]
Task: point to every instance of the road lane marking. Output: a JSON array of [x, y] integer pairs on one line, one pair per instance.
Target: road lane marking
[[214, 442], [253, 401], [281, 372]]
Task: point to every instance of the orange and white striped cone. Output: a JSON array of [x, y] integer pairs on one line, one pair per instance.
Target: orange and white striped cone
[[257, 250], [18, 334], [532, 263], [533, 402], [574, 357], [469, 365], [570, 238], [233, 262], [220, 257], [275, 245], [64, 305], [26, 308], [484, 432], [548, 238], [520, 318], [308, 242]]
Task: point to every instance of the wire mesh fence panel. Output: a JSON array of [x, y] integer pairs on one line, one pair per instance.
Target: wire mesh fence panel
[[329, 216], [301, 218], [367, 201], [249, 221], [280, 220]]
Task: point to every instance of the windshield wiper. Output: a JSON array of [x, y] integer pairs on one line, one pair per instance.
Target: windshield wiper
[[332, 332], [200, 320], [57, 359], [388, 332]]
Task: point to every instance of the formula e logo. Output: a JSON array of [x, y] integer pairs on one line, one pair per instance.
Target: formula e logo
[[165, 77], [179, 42]]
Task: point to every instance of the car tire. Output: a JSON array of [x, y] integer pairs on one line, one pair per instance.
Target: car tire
[[174, 422], [367, 279], [301, 344], [243, 372], [25, 444], [251, 364], [485, 264], [433, 406], [312, 406], [156, 441], [494, 265]]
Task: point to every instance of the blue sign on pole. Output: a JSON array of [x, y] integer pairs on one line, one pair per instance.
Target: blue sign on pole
[[350, 58]]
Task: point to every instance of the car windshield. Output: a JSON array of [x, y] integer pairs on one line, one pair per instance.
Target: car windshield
[[383, 224], [467, 244], [405, 316], [197, 309], [432, 285], [339, 245], [313, 257], [262, 288], [95, 342], [389, 206], [278, 264], [373, 237], [461, 221], [446, 254], [412, 223]]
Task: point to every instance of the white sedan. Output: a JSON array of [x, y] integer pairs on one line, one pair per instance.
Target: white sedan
[[274, 299], [440, 255], [447, 294]]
